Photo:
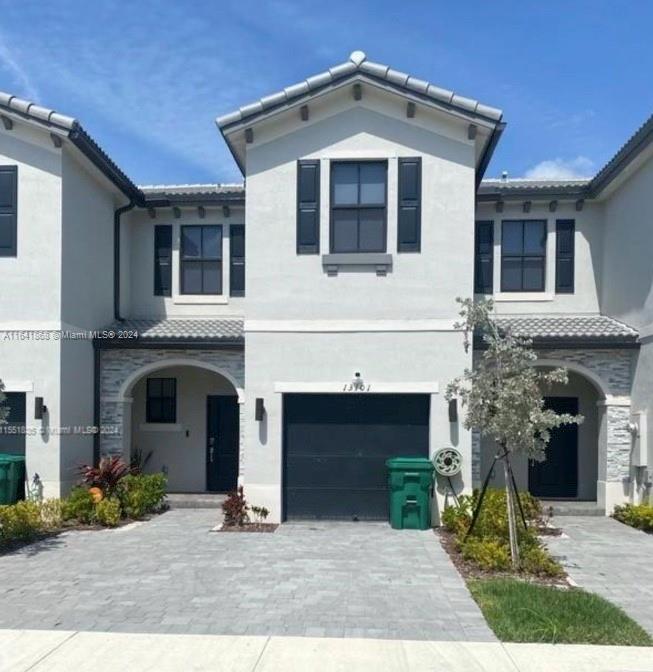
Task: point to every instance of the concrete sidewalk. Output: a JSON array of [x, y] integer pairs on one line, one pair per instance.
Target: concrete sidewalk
[[54, 651]]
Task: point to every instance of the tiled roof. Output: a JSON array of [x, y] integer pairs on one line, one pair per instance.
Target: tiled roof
[[523, 183], [73, 130], [182, 330], [358, 63], [192, 189], [568, 327]]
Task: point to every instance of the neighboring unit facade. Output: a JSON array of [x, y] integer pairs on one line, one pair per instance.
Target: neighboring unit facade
[[292, 336]]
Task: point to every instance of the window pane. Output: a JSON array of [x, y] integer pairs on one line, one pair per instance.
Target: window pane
[[154, 387], [372, 177], [345, 230], [168, 410], [191, 241], [511, 238], [167, 387], [371, 231], [534, 238], [191, 277], [533, 274], [345, 183], [154, 410], [212, 277], [212, 242], [511, 275]]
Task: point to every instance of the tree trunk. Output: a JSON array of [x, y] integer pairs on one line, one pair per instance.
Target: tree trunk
[[512, 523]]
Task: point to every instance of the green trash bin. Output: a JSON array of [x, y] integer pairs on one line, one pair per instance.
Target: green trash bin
[[12, 477], [410, 481]]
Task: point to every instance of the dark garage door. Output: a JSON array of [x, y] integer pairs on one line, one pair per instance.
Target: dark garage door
[[335, 448]]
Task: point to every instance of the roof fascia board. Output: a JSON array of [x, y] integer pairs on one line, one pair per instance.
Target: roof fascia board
[[490, 146], [358, 76], [633, 148]]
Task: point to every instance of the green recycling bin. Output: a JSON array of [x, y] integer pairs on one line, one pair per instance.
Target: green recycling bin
[[12, 477], [410, 481]]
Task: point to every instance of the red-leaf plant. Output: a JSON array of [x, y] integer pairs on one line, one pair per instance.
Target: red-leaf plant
[[236, 509], [106, 476]]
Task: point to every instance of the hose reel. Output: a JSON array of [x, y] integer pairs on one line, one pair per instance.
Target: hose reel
[[448, 462]]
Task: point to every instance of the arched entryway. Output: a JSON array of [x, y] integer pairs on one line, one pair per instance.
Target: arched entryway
[[179, 415], [572, 466]]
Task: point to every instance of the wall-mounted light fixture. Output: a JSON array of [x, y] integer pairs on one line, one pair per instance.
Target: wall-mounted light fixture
[[260, 409], [453, 410], [357, 383], [40, 409]]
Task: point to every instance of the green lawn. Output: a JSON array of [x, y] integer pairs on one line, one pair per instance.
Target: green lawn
[[524, 612]]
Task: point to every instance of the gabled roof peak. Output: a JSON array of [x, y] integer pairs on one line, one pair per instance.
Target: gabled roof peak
[[358, 64]]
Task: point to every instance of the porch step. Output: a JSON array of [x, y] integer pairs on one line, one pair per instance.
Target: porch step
[[201, 500], [561, 508]]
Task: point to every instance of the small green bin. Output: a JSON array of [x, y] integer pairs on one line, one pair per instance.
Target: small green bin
[[410, 481], [12, 477]]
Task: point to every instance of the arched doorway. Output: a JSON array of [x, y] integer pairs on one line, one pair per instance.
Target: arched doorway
[[572, 466], [184, 421]]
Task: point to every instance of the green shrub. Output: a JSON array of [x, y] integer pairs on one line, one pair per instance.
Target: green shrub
[[487, 553], [20, 521], [108, 512], [79, 506], [635, 515], [488, 546], [536, 560], [51, 513], [142, 494]]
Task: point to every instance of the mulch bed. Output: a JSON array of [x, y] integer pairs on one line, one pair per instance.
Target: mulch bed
[[249, 527], [469, 570]]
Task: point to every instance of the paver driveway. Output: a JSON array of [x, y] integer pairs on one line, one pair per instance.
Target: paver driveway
[[611, 559], [172, 575]]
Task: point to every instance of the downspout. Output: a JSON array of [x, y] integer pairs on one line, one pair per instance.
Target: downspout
[[96, 402], [116, 256]]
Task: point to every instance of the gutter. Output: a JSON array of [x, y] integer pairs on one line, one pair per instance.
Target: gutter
[[116, 256]]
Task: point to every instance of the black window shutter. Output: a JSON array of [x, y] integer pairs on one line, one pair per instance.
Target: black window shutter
[[237, 260], [8, 210], [565, 230], [308, 207], [163, 260], [484, 257], [409, 223]]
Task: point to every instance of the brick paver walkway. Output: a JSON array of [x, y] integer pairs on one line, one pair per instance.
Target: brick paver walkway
[[172, 575], [611, 559]]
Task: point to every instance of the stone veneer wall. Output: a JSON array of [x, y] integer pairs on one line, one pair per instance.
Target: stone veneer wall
[[116, 365], [614, 367]]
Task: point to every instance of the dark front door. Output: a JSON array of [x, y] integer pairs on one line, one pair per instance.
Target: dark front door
[[335, 448], [222, 443], [557, 476]]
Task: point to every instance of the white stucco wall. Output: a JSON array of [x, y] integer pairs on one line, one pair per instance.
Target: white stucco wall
[[180, 450], [140, 260]]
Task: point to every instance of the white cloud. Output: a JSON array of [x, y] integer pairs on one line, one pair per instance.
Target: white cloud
[[18, 75], [562, 169]]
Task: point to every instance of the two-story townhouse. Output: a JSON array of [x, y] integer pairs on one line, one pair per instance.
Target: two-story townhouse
[[294, 344]]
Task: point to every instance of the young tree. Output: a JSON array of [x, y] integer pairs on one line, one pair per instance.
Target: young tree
[[503, 396]]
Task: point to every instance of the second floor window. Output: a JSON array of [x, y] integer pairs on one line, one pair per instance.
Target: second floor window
[[358, 206], [201, 260], [523, 255]]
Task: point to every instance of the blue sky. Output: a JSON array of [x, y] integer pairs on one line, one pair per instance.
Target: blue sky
[[148, 78]]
